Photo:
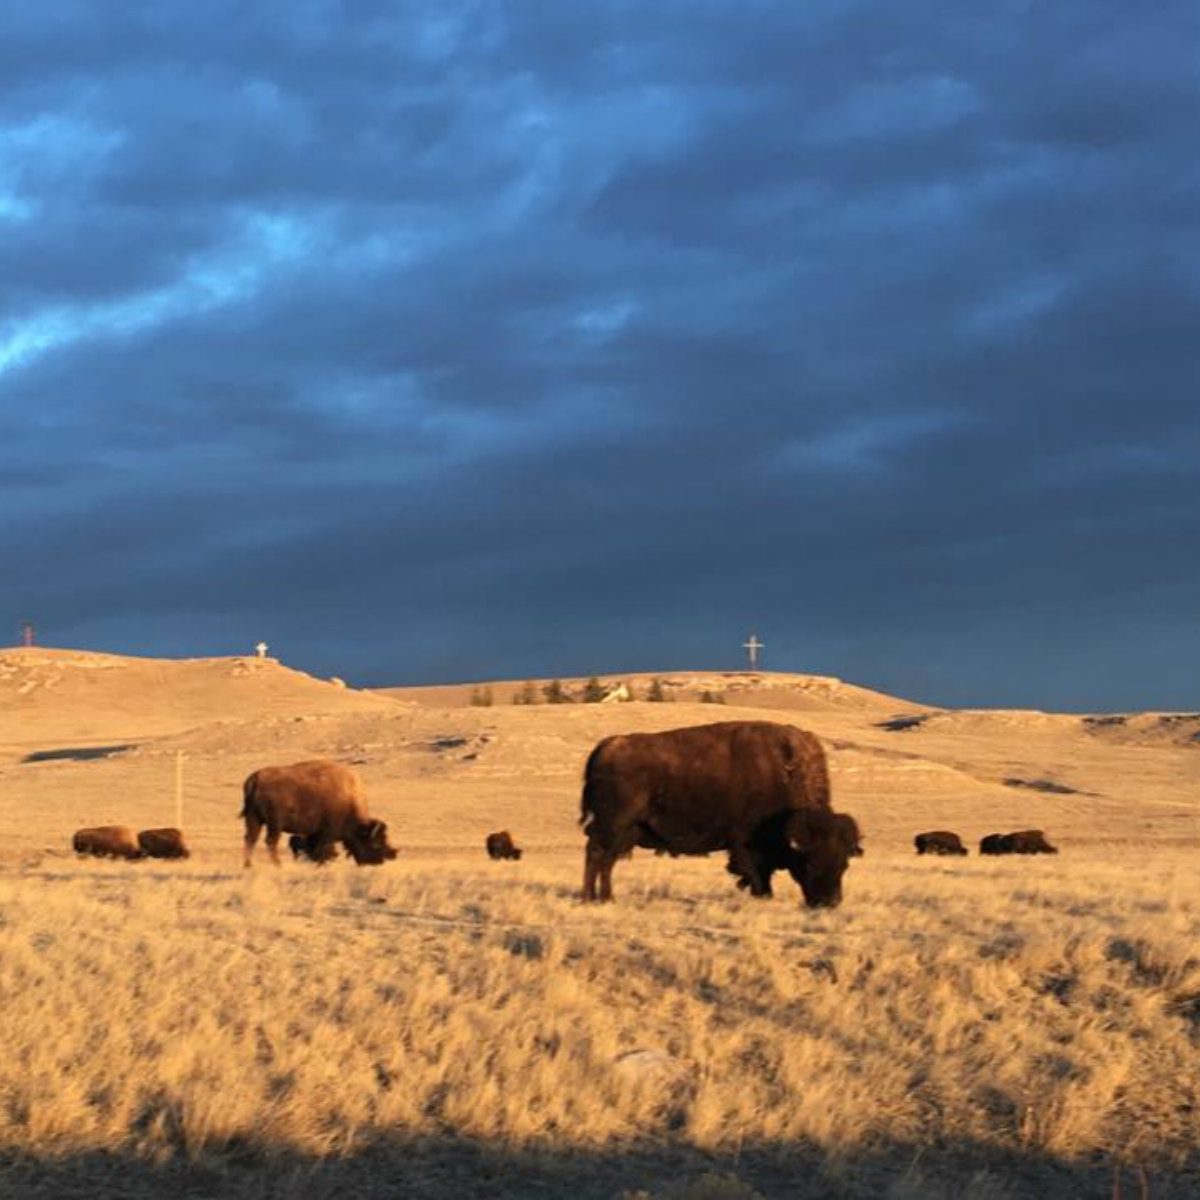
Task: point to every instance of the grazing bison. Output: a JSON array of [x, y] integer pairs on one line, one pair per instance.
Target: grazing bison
[[306, 847], [939, 841], [1030, 841], [500, 845], [1024, 841], [162, 843], [107, 841], [320, 800], [753, 788]]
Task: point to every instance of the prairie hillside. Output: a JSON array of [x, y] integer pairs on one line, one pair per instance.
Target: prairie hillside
[[91, 739], [444, 1025]]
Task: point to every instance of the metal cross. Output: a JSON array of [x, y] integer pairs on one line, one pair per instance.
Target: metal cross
[[261, 649], [752, 647]]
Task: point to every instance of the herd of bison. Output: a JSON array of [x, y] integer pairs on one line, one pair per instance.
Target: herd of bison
[[757, 790]]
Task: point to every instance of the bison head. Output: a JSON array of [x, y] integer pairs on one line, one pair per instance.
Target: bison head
[[369, 845], [821, 845]]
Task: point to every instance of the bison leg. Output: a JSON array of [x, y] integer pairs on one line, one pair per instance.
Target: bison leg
[[597, 866], [323, 849], [273, 833], [744, 863], [591, 864], [253, 829], [606, 870]]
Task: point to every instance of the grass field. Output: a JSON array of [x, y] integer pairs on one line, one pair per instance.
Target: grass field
[[441, 1026], [965, 1029]]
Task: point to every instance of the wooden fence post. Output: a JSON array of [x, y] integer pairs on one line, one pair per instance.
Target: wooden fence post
[[178, 789]]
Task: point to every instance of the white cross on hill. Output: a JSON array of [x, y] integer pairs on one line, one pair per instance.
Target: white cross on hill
[[752, 647]]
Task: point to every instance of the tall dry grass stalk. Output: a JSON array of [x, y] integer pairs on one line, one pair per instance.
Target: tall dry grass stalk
[[1048, 1007]]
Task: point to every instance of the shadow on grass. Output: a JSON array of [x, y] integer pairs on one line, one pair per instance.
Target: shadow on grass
[[903, 723], [421, 1168], [77, 753], [1045, 785]]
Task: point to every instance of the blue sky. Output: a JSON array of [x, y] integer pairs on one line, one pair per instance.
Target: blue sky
[[479, 340]]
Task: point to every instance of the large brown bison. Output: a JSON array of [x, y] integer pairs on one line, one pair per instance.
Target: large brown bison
[[1024, 841], [939, 841], [501, 845], [320, 800], [107, 841], [753, 788], [162, 843]]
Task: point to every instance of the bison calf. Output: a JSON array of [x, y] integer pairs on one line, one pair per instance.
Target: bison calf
[[500, 845], [1024, 841], [162, 843], [307, 847], [107, 841], [939, 841]]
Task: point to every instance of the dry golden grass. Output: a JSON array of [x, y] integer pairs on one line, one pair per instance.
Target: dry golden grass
[[1020, 1012], [970, 1029]]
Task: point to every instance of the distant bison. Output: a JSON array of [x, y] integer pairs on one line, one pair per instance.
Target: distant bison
[[500, 845], [939, 841], [318, 799], [753, 788], [306, 847], [107, 841], [162, 843], [1024, 841]]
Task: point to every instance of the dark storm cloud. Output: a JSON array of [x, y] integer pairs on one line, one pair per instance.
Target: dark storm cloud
[[502, 338]]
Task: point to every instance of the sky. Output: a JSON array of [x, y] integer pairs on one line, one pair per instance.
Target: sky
[[459, 341]]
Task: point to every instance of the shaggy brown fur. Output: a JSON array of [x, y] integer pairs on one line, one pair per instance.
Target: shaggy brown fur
[[939, 841], [1024, 841], [107, 841], [500, 845], [754, 788], [162, 843], [306, 847], [319, 799]]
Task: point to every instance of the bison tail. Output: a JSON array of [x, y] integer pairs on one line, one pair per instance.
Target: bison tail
[[587, 805], [248, 790]]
